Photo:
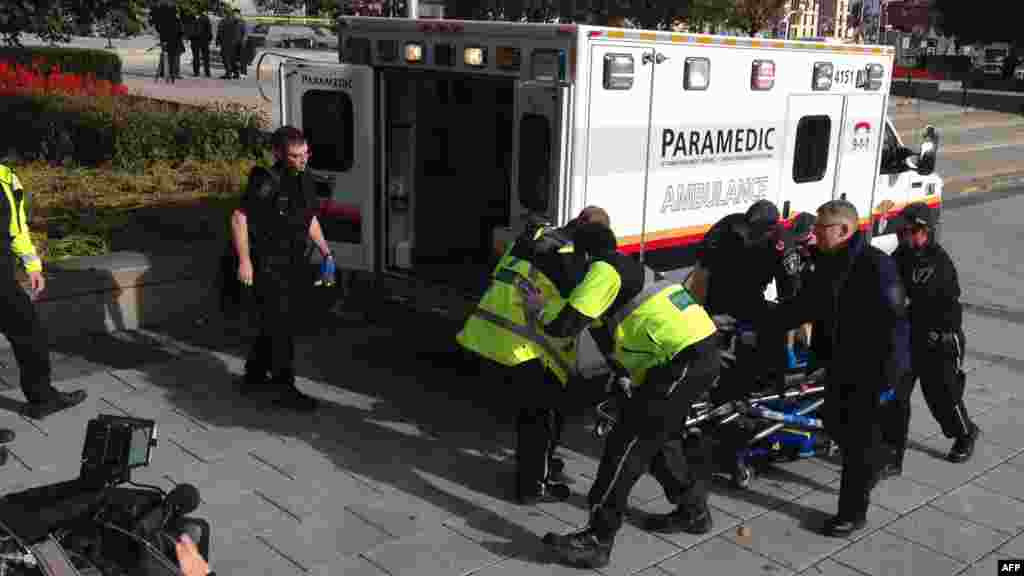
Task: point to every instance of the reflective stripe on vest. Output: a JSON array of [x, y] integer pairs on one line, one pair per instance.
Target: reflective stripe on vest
[[531, 331], [527, 333], [646, 294]]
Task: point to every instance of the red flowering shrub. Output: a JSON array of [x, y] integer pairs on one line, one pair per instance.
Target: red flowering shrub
[[15, 78]]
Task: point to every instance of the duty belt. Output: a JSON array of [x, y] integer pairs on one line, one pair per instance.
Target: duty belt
[[530, 331]]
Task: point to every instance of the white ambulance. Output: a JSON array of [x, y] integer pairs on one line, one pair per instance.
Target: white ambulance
[[434, 139]]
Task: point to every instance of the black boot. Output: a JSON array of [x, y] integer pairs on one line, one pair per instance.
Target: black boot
[[294, 399], [893, 464], [3, 455], [680, 520], [60, 401], [583, 549], [544, 492], [963, 448], [6, 436], [839, 527], [556, 471]]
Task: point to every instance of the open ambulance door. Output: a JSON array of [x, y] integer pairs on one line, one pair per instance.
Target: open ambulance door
[[333, 104], [539, 156]]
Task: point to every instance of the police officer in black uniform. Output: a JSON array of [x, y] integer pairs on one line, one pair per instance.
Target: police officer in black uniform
[[276, 216], [937, 341], [743, 254]]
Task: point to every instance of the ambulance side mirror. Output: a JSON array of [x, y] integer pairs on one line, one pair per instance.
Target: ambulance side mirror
[[924, 162]]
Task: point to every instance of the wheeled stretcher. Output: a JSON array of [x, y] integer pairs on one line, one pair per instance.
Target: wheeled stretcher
[[757, 427]]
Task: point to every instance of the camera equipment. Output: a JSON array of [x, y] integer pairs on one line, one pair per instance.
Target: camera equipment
[[114, 446], [105, 529]]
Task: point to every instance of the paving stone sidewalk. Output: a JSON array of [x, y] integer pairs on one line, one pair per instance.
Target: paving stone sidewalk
[[407, 467]]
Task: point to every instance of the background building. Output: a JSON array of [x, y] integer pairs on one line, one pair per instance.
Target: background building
[[834, 19]]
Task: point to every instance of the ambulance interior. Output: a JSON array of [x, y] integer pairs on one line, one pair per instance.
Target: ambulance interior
[[447, 174]]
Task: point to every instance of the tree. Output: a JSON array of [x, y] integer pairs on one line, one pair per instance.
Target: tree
[[55, 20], [753, 16]]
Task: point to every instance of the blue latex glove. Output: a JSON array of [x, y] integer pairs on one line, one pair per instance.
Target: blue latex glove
[[327, 270]]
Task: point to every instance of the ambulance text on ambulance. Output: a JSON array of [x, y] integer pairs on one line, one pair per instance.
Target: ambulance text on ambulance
[[714, 194], [716, 145]]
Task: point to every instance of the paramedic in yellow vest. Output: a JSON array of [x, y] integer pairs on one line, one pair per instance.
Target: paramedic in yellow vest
[[538, 367], [662, 345], [18, 319]]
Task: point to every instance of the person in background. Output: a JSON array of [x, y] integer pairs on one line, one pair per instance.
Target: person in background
[[243, 48], [857, 302], [200, 33], [937, 341], [227, 40]]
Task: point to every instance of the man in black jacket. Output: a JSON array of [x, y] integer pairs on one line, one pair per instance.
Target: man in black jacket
[[200, 34], [276, 216], [228, 38], [168, 25], [937, 341], [853, 296], [743, 253]]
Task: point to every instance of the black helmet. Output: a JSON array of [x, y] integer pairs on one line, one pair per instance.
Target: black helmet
[[919, 214], [594, 239], [803, 225], [762, 217]]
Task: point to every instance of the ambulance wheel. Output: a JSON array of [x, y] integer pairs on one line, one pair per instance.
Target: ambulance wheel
[[742, 476]]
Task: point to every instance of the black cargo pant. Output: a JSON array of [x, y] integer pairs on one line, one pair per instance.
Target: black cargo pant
[[539, 423], [938, 363], [200, 54], [649, 436], [20, 324], [275, 313], [853, 416]]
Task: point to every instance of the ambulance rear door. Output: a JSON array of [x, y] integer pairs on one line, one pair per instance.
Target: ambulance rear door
[[333, 104]]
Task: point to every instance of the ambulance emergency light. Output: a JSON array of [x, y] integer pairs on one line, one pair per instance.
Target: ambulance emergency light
[[822, 76], [618, 71], [762, 75], [474, 56], [875, 74], [697, 74], [413, 52]]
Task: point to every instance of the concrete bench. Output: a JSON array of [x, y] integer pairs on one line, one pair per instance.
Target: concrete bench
[[125, 291]]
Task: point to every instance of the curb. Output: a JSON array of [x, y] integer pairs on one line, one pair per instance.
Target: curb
[[978, 183]]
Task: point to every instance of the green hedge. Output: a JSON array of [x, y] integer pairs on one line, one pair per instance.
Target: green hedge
[[127, 132], [100, 63]]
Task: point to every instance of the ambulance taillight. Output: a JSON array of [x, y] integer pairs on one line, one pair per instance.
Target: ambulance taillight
[[762, 75], [822, 76]]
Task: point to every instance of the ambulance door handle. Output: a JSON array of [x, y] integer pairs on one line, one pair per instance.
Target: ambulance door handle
[[657, 57]]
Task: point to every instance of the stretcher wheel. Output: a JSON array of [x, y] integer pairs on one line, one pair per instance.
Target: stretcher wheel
[[742, 476]]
